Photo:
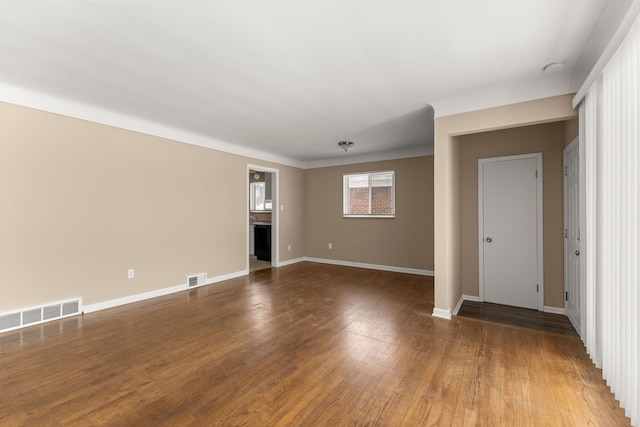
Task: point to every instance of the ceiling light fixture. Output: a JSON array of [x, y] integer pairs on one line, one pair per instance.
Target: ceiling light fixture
[[554, 67], [346, 145], [256, 175]]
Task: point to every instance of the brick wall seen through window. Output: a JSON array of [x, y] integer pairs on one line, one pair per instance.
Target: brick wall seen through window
[[369, 194]]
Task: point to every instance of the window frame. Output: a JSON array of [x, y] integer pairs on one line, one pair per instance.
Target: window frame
[[252, 196], [370, 175]]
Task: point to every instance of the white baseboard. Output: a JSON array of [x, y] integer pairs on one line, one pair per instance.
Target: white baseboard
[[462, 299], [554, 310], [371, 266], [103, 305], [226, 277], [441, 313], [90, 308], [290, 261]]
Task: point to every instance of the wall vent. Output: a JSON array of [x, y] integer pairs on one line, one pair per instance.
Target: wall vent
[[35, 315], [196, 280]]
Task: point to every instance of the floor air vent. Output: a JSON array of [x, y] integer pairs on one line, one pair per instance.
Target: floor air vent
[[196, 280], [34, 315]]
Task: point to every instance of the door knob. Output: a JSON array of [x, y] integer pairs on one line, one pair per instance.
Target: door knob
[[577, 253], [488, 240]]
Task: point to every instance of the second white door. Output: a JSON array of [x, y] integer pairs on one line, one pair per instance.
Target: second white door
[[510, 202]]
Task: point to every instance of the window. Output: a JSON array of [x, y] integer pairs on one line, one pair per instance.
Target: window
[[369, 195], [257, 200]]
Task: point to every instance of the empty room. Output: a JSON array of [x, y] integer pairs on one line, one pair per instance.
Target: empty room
[[319, 213]]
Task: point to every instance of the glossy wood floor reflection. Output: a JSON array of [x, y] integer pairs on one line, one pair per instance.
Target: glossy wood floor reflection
[[303, 345]]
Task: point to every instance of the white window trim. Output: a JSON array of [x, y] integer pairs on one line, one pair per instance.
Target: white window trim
[[345, 195]]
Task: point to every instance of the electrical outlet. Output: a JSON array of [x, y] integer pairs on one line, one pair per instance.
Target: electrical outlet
[[289, 247], [330, 245], [131, 273]]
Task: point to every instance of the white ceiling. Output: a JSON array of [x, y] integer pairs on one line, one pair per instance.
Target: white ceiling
[[286, 80]]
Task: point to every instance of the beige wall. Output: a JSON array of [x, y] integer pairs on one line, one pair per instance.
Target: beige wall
[[82, 202], [547, 139], [447, 219], [292, 219], [571, 131], [404, 241]]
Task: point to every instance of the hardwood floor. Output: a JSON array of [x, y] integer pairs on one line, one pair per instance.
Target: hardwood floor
[[307, 344], [256, 265], [515, 316]]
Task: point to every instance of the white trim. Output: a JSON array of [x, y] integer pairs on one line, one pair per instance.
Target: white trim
[[371, 266], [224, 277], [540, 214], [291, 261], [57, 105], [462, 299], [275, 211], [90, 308], [441, 313], [103, 305], [39, 101], [554, 310], [456, 309], [574, 144], [613, 45]]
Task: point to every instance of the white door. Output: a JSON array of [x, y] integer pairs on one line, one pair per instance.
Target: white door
[[572, 234], [510, 202]]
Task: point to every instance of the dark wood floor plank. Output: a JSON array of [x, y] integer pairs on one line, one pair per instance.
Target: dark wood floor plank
[[308, 344], [516, 316]]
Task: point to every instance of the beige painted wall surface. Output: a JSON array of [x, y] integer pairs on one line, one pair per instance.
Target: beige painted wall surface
[[547, 139], [82, 202], [447, 239], [571, 130], [292, 216], [405, 241]]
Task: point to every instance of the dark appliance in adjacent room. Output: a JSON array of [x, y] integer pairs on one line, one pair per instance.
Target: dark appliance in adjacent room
[[263, 242]]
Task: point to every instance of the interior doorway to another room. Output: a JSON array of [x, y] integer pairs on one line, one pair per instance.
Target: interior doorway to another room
[[262, 218]]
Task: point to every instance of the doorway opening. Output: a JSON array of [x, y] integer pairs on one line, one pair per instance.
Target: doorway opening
[[262, 217]]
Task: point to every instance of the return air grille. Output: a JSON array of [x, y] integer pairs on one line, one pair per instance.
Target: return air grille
[[34, 315], [196, 280]]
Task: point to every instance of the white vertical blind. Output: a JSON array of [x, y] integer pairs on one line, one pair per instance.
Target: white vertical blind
[[612, 134]]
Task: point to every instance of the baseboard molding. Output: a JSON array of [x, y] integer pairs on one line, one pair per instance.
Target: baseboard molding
[[224, 277], [554, 310], [441, 313], [462, 299], [547, 309], [371, 266], [290, 261], [90, 308]]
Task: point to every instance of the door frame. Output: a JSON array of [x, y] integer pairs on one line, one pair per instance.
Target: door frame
[[275, 210], [539, 217], [574, 145]]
